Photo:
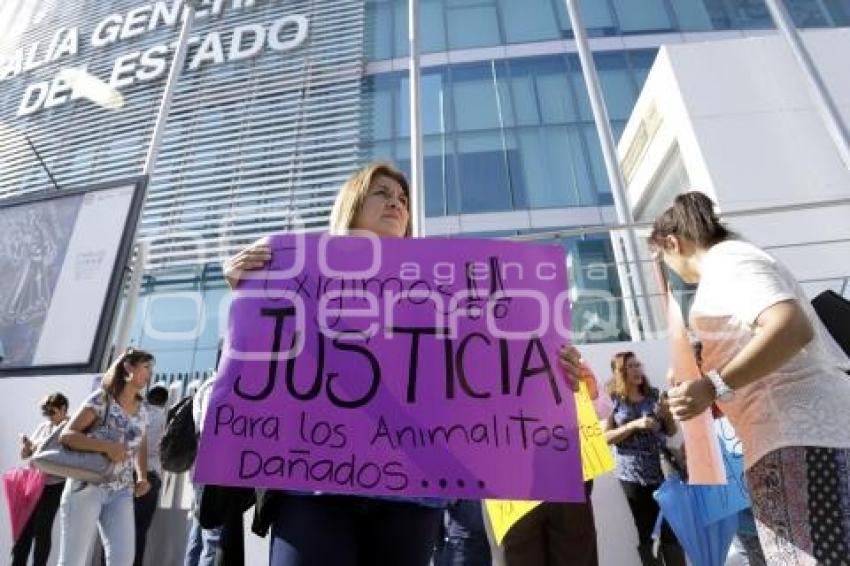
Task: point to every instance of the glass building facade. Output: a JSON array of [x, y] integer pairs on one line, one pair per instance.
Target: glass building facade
[[260, 144]]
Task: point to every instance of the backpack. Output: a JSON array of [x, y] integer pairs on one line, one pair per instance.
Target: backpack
[[179, 444], [834, 312]]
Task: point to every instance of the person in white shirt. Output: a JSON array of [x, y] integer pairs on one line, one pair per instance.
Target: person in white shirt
[[39, 526], [144, 507], [768, 366], [203, 544]]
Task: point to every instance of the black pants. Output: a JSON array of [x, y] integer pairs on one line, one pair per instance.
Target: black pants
[[554, 534], [645, 511], [144, 508], [337, 530], [464, 541], [39, 527]]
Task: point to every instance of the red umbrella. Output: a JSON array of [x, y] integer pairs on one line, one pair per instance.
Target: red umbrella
[[23, 489]]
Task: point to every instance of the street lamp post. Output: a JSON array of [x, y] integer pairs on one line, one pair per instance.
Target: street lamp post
[[189, 7]]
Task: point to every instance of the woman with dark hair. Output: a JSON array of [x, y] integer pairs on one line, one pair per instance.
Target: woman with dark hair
[[112, 421], [637, 428], [766, 362], [54, 408]]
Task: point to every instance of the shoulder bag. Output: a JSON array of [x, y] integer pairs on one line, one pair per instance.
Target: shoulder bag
[[56, 459]]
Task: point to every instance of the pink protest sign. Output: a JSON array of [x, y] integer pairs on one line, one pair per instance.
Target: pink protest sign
[[705, 461], [414, 367]]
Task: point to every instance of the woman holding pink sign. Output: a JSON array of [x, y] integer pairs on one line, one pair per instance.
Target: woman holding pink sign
[[768, 365], [346, 530]]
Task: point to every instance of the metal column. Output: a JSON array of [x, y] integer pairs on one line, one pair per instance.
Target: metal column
[[417, 187], [636, 282], [824, 103]]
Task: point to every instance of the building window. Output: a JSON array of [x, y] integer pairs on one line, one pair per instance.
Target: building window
[[476, 102], [642, 16], [529, 20], [598, 313], [447, 25], [839, 11], [596, 15], [749, 14], [618, 85], [482, 173], [808, 13], [528, 135], [700, 15], [432, 26], [472, 23], [379, 31], [554, 96]]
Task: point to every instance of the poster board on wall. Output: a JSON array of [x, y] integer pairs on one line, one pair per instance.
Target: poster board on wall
[[63, 255]]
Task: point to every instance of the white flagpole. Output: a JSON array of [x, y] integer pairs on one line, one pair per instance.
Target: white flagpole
[[170, 85], [417, 187], [823, 101], [635, 283], [123, 330], [134, 287]]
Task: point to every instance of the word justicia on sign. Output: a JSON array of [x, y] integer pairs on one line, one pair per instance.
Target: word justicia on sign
[[379, 366], [246, 41]]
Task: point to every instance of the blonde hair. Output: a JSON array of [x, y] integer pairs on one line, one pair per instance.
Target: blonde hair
[[617, 386], [353, 193]]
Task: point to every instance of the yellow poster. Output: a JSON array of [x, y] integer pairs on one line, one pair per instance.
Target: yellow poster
[[596, 459], [504, 514]]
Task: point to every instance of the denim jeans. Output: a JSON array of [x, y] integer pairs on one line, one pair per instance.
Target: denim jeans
[[202, 544], [85, 507]]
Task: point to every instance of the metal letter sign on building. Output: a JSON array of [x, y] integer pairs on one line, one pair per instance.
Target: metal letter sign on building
[[262, 130]]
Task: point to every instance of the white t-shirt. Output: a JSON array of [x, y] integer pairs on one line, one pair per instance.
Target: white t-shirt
[[804, 403], [156, 429]]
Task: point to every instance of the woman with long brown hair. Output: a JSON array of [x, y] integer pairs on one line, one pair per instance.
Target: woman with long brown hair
[[112, 421], [767, 363], [637, 428]]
